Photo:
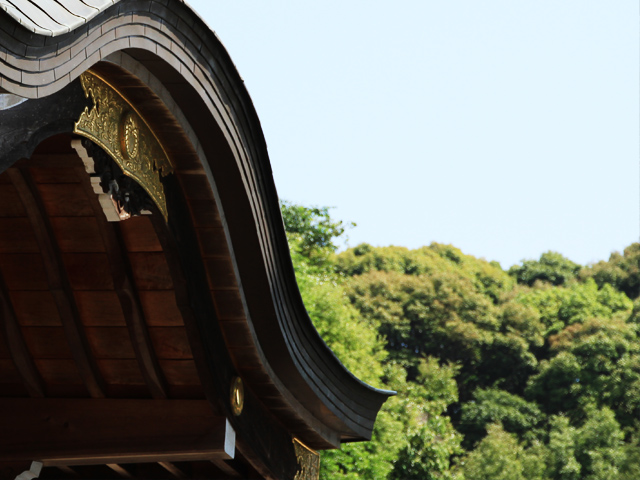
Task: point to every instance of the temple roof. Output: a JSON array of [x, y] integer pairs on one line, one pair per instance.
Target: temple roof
[[224, 267], [54, 17]]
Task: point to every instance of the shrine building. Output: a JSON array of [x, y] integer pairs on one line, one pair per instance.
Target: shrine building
[[150, 321]]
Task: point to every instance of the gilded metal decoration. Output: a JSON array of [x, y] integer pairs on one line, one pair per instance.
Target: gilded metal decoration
[[237, 396], [116, 126], [129, 136], [308, 462]]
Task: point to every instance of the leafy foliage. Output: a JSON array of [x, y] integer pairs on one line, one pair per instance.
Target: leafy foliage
[[497, 457], [552, 268], [493, 405], [562, 306], [312, 231], [621, 271], [596, 362], [530, 374], [414, 420]]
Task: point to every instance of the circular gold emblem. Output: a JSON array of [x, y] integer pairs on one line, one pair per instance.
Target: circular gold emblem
[[129, 136], [237, 396]]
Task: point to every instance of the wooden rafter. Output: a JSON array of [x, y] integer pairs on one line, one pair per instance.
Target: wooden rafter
[[173, 470], [225, 468], [17, 347], [68, 471], [184, 303], [58, 281], [126, 291], [123, 472]]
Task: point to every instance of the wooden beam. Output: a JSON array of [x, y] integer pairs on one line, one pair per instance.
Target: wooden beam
[[58, 281], [113, 431], [17, 347], [125, 288]]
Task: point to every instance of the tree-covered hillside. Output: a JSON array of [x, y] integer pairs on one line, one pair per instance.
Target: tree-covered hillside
[[531, 373]]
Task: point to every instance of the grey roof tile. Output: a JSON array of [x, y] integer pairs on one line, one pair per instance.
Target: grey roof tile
[[54, 17], [100, 4], [78, 8], [23, 19]]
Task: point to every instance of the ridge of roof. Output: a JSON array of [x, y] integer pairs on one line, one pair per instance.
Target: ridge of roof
[[54, 17]]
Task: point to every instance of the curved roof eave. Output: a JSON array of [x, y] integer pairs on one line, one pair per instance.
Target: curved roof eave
[[209, 70]]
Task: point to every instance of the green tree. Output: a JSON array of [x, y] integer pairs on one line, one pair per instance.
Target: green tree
[[312, 234], [538, 368], [552, 268], [561, 457], [431, 440], [562, 306], [492, 405], [445, 314], [592, 450], [599, 445], [556, 387], [486, 277], [595, 362], [413, 439], [413, 420], [630, 469], [497, 457], [368, 460], [311, 231], [621, 271]]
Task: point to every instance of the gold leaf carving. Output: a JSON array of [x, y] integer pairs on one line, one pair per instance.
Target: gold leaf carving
[[308, 462], [115, 125]]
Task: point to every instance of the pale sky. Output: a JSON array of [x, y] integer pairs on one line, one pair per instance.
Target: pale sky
[[506, 128]]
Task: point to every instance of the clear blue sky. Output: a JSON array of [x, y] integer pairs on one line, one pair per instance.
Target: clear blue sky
[[506, 128]]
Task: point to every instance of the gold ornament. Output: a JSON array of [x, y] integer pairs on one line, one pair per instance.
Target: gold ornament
[[115, 125], [308, 462], [129, 136], [237, 396]]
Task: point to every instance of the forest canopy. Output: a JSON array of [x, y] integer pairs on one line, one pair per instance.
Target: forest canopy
[[532, 373]]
